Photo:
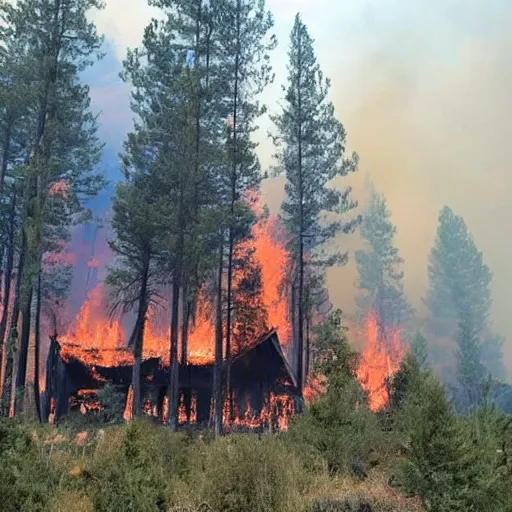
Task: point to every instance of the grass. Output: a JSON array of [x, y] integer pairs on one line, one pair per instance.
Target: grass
[[143, 467]]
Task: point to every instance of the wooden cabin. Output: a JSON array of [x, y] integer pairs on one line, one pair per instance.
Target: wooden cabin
[[263, 384]]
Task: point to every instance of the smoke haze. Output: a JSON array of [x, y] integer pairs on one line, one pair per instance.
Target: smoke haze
[[422, 88], [424, 94]]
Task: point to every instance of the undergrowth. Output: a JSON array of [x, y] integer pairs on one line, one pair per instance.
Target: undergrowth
[[142, 467]]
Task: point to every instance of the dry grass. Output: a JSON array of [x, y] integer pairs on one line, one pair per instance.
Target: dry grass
[[374, 490]]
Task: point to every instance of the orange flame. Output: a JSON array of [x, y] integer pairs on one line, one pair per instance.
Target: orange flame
[[314, 388], [128, 410], [96, 339], [274, 260], [379, 361], [60, 188]]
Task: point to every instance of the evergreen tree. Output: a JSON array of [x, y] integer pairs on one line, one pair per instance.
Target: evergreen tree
[[311, 152], [419, 349], [338, 424], [134, 278], [470, 369], [459, 299], [61, 151], [380, 277], [458, 277], [244, 44], [445, 463]]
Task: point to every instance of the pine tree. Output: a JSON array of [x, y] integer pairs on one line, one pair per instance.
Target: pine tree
[[459, 297], [62, 151], [177, 110], [134, 278], [470, 369], [311, 152], [457, 276], [445, 466], [419, 349], [341, 413], [244, 44], [380, 277]]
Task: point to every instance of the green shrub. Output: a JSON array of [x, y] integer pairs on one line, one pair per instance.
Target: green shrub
[[26, 482], [339, 431], [337, 426], [132, 467], [250, 474], [449, 463], [113, 402]]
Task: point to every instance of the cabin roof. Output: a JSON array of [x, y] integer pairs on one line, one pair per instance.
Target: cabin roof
[[83, 375]]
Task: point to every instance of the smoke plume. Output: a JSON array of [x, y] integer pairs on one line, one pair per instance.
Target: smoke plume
[[423, 90]]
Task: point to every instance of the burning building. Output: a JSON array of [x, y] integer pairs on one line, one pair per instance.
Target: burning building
[[263, 385]]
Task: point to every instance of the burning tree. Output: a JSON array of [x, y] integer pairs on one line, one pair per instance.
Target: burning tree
[[311, 152], [380, 277]]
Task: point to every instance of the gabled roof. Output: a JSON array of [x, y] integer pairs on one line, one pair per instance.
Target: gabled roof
[[271, 338], [80, 373]]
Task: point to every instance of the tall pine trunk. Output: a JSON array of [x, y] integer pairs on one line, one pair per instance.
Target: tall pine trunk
[[173, 385], [6, 148], [138, 342], [21, 369], [37, 335], [12, 338], [308, 345], [300, 344], [217, 370], [7, 279], [185, 321], [232, 215], [3, 170]]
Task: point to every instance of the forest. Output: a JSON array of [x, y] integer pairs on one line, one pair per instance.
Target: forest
[[204, 367]]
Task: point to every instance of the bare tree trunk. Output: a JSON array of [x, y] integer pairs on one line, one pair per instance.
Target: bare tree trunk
[[21, 370], [293, 315], [3, 171], [5, 154], [138, 340], [217, 370], [12, 340], [185, 312], [185, 320], [37, 334], [173, 385], [300, 347], [7, 280], [308, 346]]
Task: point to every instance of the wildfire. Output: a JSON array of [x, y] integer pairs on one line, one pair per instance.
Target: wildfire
[[274, 260], [96, 339], [379, 361], [315, 387], [60, 188]]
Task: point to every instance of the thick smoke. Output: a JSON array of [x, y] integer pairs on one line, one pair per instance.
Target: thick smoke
[[423, 89]]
